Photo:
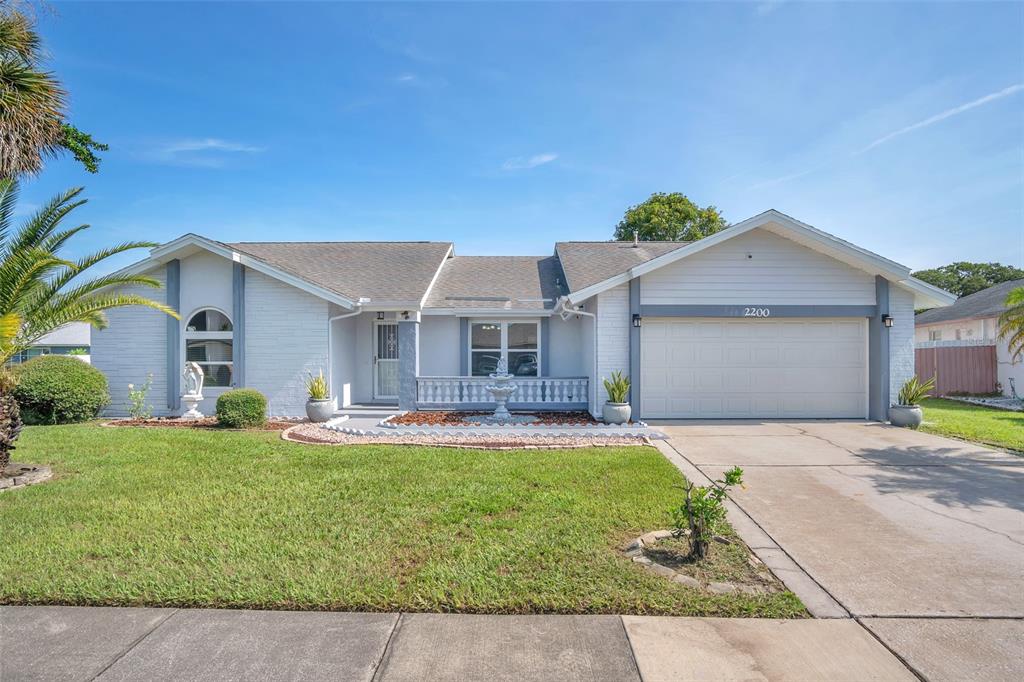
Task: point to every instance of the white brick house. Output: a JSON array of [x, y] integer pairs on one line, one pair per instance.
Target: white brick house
[[769, 318]]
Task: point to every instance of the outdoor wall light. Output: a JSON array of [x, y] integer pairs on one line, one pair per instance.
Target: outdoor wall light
[[887, 321], [380, 315], [636, 319], [405, 314]]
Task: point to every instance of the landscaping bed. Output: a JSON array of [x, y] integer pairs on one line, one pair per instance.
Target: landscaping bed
[[242, 519], [453, 418], [273, 424]]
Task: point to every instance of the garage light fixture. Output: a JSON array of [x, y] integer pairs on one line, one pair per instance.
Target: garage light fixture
[[636, 319], [887, 321], [380, 315]]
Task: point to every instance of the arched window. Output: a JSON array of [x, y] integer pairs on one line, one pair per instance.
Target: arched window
[[208, 341]]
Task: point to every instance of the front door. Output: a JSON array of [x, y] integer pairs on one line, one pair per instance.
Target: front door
[[385, 361]]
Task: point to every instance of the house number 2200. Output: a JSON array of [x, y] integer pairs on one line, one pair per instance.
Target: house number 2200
[[757, 312]]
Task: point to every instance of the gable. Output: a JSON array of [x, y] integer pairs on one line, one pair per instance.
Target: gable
[[758, 267]]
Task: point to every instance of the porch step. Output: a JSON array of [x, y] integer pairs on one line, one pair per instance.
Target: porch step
[[368, 411]]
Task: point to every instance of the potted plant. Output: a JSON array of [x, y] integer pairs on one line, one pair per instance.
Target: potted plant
[[616, 410], [907, 412], [320, 406]]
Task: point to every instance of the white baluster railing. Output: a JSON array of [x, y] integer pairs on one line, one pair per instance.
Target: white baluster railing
[[470, 392]]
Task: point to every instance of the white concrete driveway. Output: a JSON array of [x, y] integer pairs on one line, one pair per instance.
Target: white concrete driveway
[[920, 538]]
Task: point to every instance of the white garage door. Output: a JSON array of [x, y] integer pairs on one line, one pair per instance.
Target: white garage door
[[764, 368]]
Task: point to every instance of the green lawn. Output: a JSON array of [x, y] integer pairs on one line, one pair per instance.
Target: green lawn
[[236, 519], [984, 425]]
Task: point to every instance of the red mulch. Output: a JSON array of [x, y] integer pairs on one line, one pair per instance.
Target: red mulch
[[449, 418], [204, 423]]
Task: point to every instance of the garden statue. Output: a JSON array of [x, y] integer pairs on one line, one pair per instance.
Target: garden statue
[[501, 389], [193, 393]]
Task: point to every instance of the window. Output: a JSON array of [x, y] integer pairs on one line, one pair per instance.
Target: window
[[209, 341], [517, 342], [935, 335]]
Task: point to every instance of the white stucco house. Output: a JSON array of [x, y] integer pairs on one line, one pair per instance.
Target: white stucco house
[[974, 320], [770, 318]]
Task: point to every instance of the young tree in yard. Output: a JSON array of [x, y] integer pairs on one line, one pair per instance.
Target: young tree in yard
[[964, 278], [703, 511], [669, 217], [41, 291], [33, 104], [1011, 322]]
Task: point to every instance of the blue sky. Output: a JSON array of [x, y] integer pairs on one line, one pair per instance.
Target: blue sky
[[506, 127]]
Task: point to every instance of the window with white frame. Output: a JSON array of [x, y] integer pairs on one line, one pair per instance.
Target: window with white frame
[[517, 342], [934, 334], [209, 339]]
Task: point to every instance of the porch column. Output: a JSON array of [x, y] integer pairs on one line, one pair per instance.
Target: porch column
[[408, 360], [878, 354], [174, 368], [634, 348]]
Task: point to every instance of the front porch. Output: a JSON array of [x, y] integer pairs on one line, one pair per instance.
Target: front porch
[[470, 393]]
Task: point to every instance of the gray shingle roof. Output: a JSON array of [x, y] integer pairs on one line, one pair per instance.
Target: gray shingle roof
[[587, 263], [985, 303], [500, 282], [380, 271]]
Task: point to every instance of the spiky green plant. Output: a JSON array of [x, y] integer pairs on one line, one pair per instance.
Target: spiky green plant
[[316, 387], [39, 290], [1011, 322], [617, 388], [914, 391]]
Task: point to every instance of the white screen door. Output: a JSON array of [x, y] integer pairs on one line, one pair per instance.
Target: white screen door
[[385, 360]]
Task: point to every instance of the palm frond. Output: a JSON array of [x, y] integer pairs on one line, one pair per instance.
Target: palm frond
[[42, 224], [1011, 322], [8, 202]]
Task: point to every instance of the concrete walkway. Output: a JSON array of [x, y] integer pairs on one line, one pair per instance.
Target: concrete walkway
[[88, 643], [917, 537]]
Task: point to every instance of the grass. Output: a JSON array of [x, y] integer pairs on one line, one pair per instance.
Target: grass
[[984, 425], [179, 517]]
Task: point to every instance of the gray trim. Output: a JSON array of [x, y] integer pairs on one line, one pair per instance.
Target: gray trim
[[408, 362], [739, 310], [463, 346], [634, 348], [238, 314], [173, 299], [544, 343], [878, 355]]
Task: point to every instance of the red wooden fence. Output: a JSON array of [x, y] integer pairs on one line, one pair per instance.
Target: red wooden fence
[[964, 369]]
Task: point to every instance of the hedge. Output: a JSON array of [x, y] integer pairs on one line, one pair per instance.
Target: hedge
[[242, 408], [57, 389]]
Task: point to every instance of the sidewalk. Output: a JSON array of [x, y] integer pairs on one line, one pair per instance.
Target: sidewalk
[[86, 643]]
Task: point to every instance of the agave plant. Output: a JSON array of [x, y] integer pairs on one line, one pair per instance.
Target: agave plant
[[39, 290], [1011, 322], [914, 391], [617, 388]]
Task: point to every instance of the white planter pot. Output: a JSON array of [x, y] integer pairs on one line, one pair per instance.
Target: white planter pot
[[616, 413], [906, 415], [320, 410]]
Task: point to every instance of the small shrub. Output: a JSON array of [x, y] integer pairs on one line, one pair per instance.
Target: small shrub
[[914, 391], [703, 511], [57, 389], [617, 388], [242, 408], [317, 388], [137, 407]]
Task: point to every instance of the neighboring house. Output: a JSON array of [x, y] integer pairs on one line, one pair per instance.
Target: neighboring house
[[769, 318], [973, 321], [71, 339]]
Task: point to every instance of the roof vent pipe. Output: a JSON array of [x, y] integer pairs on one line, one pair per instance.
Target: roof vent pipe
[[636, 238]]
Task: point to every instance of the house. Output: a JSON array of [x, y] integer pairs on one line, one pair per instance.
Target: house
[[769, 318], [71, 339], [973, 321]]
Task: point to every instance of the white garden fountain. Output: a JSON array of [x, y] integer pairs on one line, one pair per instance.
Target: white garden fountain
[[501, 389]]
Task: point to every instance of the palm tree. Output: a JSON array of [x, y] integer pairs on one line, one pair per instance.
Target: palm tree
[[1011, 322], [39, 290], [32, 104]]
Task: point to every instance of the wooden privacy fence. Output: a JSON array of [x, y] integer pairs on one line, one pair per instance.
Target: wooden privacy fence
[[957, 369]]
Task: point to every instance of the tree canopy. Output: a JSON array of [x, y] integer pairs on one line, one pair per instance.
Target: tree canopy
[[1011, 323], [669, 217], [33, 104], [964, 278]]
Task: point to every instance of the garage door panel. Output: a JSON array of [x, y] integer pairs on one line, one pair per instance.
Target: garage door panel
[[760, 368]]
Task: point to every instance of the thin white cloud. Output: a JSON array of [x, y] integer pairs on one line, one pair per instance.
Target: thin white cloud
[[407, 78], [948, 113], [526, 162], [206, 152], [763, 9]]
